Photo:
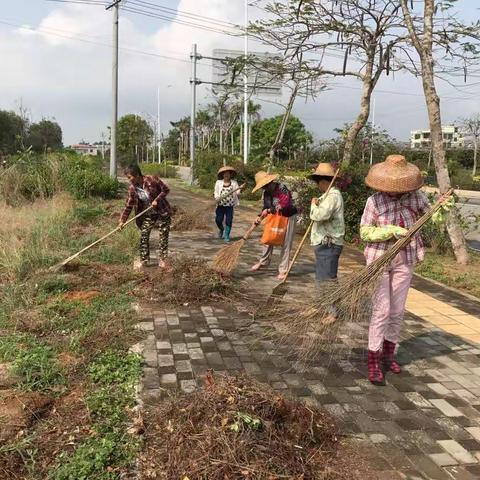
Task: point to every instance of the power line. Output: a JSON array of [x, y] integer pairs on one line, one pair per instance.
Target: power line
[[184, 13], [92, 42]]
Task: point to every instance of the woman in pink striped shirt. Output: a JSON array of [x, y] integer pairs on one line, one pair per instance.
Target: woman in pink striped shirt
[[388, 215]]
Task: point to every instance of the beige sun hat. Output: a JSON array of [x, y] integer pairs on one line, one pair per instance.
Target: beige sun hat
[[322, 170], [394, 175], [263, 178], [226, 168]]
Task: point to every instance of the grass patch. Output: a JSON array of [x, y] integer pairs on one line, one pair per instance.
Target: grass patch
[[66, 334], [445, 269], [33, 361], [113, 376]]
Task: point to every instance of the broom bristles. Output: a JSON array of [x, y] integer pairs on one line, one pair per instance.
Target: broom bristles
[[227, 258]]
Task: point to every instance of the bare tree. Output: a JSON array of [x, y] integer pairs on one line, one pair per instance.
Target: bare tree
[[367, 31], [432, 31], [471, 129]]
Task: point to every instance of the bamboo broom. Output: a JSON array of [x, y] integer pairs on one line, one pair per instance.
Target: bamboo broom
[[101, 239], [280, 290], [227, 258], [309, 322]]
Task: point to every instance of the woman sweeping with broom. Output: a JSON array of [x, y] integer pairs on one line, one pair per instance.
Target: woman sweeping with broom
[[226, 193], [388, 215], [277, 199], [147, 191]]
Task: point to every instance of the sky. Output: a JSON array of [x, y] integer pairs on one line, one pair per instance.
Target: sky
[[56, 61]]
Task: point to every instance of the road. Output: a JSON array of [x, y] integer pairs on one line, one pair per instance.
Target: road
[[471, 210]]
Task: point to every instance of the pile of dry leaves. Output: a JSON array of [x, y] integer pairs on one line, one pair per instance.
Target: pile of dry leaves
[[188, 280], [236, 428]]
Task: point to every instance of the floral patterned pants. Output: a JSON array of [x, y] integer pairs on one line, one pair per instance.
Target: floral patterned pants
[[146, 226]]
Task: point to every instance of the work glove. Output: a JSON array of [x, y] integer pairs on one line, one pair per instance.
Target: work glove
[[440, 216]]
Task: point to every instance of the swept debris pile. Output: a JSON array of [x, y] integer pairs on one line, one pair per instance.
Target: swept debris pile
[[236, 428], [188, 280], [188, 220]]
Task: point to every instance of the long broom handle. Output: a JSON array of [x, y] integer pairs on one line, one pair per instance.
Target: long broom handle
[[247, 234], [96, 242], [225, 195], [300, 246]]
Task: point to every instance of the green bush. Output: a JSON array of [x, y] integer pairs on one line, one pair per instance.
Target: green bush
[[84, 181], [30, 176], [160, 169]]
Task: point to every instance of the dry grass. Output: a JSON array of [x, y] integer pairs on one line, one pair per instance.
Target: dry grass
[[17, 224], [188, 220], [236, 428]]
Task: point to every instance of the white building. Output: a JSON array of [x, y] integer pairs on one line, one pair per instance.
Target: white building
[[88, 149], [452, 138]]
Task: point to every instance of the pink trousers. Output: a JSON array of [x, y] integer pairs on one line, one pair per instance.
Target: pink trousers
[[389, 303]]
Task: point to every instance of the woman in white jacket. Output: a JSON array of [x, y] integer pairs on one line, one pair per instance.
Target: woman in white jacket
[[226, 193]]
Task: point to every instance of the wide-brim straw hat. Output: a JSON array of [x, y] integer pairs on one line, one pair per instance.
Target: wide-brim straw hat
[[394, 175], [263, 178], [224, 169], [322, 170]]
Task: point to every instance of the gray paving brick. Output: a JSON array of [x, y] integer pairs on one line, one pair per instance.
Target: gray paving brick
[[188, 386], [446, 408], [168, 379], [457, 451], [165, 360], [443, 459]]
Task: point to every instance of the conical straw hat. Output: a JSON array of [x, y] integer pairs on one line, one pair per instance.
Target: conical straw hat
[[263, 178], [226, 168], [394, 175], [322, 170]]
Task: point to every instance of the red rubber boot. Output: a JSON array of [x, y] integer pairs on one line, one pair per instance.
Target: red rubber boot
[[375, 374], [388, 358]]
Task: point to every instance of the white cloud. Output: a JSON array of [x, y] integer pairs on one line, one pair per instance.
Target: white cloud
[[70, 79]]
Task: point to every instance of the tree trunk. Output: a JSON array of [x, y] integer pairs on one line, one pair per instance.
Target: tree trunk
[[475, 152], [283, 126], [438, 151], [362, 118]]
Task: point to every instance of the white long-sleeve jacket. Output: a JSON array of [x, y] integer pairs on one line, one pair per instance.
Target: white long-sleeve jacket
[[218, 191]]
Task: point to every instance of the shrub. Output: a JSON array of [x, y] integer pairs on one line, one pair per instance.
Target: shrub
[[84, 180], [160, 169], [32, 176]]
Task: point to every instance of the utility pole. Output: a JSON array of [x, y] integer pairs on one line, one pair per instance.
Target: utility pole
[[245, 91], [113, 143], [103, 145], [194, 57], [159, 137]]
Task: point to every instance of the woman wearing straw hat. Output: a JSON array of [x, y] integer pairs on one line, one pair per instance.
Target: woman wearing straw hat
[[277, 198], [328, 227], [227, 192], [388, 215]]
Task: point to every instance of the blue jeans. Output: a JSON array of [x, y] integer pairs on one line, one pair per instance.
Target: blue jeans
[[220, 214], [326, 264]]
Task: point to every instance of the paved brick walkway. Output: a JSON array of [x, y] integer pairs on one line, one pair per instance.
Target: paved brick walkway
[[425, 424]]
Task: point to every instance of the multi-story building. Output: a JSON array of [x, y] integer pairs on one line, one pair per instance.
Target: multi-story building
[[452, 138]]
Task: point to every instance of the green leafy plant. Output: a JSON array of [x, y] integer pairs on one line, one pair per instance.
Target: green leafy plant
[[32, 361]]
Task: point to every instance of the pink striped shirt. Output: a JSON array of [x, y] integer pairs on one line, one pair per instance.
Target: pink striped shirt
[[382, 209]]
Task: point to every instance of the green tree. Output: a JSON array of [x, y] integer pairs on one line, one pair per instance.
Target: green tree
[[134, 134], [45, 135], [296, 138], [12, 132]]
